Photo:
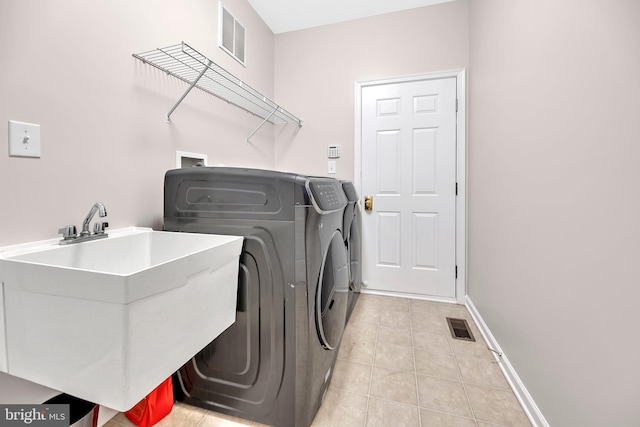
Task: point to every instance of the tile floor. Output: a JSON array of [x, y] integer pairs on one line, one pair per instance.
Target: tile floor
[[398, 366]]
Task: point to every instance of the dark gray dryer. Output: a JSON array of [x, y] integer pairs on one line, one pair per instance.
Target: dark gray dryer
[[274, 364], [352, 233]]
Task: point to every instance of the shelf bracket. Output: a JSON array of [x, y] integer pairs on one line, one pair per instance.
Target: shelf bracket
[[262, 124], [186, 64], [193, 84]]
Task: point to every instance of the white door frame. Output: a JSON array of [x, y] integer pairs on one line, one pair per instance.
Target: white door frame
[[461, 163]]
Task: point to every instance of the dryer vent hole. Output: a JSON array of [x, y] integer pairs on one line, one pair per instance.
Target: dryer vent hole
[[460, 329]]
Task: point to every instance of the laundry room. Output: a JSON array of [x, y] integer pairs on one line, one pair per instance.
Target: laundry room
[[103, 124]]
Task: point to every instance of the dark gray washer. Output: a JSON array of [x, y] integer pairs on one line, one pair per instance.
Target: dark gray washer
[[274, 364]]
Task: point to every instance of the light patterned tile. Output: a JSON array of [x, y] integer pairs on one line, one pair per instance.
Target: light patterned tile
[[214, 419], [366, 314], [369, 301], [430, 322], [440, 419], [498, 406], [118, 420], [385, 413], [431, 341], [401, 337], [471, 349], [394, 356], [455, 310], [443, 395], [436, 364], [395, 320], [424, 306], [360, 331], [481, 371], [394, 336], [182, 416], [399, 386], [351, 376], [114, 423], [357, 351], [395, 304], [341, 409]]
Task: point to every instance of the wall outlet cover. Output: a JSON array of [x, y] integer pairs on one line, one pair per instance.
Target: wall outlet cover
[[24, 139], [331, 167]]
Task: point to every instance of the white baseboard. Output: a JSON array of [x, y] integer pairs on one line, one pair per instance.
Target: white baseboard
[[530, 408], [407, 295]]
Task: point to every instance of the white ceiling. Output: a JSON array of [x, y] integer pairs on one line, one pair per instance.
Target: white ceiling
[[290, 15]]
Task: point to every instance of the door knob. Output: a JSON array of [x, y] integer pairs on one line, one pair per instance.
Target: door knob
[[368, 203]]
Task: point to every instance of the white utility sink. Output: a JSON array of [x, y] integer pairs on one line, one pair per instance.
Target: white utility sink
[[108, 320]]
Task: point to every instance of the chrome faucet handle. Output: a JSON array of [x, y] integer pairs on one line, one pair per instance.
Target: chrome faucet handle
[[68, 232], [100, 227]]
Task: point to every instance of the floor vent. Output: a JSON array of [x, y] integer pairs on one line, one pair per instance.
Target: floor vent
[[460, 329]]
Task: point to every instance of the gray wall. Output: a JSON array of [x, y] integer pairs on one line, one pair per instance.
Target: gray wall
[[553, 199], [553, 150], [67, 65], [316, 72]]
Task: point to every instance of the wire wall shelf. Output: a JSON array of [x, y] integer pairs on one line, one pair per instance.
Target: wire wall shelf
[[187, 64]]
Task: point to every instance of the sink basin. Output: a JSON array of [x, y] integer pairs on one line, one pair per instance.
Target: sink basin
[[108, 320]]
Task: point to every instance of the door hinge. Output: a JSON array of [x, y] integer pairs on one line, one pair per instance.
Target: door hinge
[[456, 271], [456, 188], [456, 105]]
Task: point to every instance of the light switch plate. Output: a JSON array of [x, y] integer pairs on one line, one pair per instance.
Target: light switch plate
[[24, 139], [331, 166]]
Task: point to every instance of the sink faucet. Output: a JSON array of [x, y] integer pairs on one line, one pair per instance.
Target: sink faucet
[[102, 212], [69, 234]]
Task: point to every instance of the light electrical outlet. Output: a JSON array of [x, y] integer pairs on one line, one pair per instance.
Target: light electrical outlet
[[24, 139], [331, 166]]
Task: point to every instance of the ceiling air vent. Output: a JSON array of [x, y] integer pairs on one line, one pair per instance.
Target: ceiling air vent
[[232, 35]]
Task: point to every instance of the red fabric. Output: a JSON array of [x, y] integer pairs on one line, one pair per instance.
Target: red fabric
[[154, 407]]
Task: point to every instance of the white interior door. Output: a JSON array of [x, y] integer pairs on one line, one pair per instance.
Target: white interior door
[[409, 168]]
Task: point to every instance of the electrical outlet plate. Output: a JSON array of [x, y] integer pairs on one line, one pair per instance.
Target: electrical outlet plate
[[331, 167], [24, 139]]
